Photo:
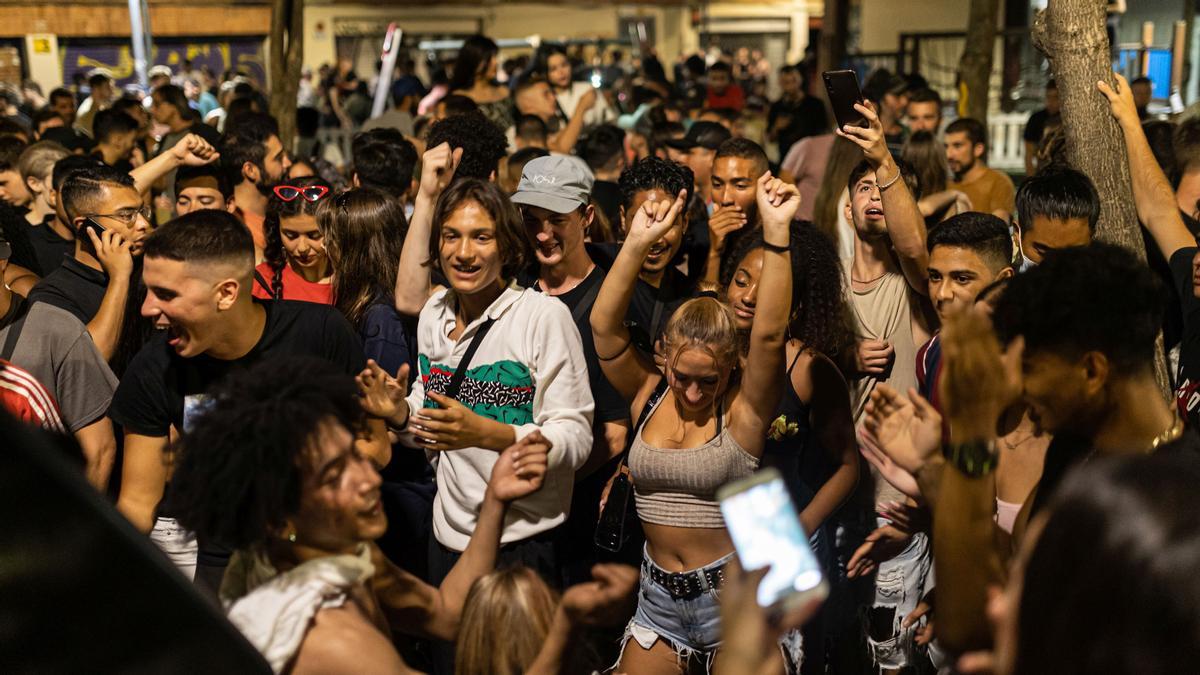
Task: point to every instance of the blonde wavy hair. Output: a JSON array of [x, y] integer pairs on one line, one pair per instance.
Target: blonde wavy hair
[[505, 620], [706, 324]]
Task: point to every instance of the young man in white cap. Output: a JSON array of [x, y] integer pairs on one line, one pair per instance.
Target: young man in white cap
[[554, 196]]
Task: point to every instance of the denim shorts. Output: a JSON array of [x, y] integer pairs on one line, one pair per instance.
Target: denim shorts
[[691, 627], [900, 584]]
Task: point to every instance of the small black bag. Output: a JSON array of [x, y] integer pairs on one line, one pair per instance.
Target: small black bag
[[619, 517]]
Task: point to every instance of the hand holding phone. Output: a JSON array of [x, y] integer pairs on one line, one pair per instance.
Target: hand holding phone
[[766, 531], [843, 90]]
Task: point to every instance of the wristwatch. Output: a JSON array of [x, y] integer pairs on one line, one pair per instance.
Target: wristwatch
[[974, 458]]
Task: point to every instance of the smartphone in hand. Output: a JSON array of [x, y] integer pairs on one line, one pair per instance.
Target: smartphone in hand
[[842, 88], [766, 531]]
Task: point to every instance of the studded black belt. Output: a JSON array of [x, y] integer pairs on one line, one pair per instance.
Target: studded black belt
[[687, 585]]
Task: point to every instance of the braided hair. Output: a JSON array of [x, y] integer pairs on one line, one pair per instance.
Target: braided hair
[[277, 210]]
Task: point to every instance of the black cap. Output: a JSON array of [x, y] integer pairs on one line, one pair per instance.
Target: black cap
[[709, 135]]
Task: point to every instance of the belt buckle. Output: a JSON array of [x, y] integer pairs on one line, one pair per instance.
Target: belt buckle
[[678, 583]]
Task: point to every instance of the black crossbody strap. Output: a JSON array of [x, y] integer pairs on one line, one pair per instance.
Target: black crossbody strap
[[262, 281], [460, 373], [585, 304], [655, 397], [14, 328]]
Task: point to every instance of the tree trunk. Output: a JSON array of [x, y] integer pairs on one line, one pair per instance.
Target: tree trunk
[[1072, 35], [975, 66], [287, 58]]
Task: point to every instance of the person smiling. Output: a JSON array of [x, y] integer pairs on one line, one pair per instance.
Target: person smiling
[[495, 363], [296, 266], [699, 427], [271, 470], [197, 270]]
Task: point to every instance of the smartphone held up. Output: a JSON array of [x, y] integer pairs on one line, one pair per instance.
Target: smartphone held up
[[766, 531], [843, 90]]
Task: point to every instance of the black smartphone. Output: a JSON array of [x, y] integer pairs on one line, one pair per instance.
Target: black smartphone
[[843, 90], [610, 531], [91, 224]]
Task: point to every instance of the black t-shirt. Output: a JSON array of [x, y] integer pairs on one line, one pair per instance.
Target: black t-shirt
[[1039, 122], [1066, 452], [75, 287], [608, 196], [807, 119], [16, 231], [161, 389], [122, 165], [650, 308], [610, 405], [1187, 389], [49, 248]]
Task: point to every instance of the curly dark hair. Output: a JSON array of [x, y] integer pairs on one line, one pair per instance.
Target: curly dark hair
[[277, 210], [820, 317], [483, 143], [240, 467], [654, 173]]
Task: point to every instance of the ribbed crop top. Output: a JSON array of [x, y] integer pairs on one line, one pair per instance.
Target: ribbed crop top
[[678, 486]]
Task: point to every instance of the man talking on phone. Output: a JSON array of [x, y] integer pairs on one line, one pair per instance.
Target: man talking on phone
[[106, 210]]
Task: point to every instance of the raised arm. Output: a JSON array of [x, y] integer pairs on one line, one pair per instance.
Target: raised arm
[[623, 365], [191, 150], [1152, 194], [409, 602], [413, 285], [905, 224], [564, 141], [762, 382], [978, 383]]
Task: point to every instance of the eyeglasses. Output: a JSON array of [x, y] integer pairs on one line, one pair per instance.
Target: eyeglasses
[[125, 216], [312, 193]]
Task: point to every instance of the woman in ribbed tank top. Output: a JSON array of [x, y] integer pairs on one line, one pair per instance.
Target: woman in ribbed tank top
[[704, 428]]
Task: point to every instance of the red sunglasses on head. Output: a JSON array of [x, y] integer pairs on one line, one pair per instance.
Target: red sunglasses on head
[[290, 193]]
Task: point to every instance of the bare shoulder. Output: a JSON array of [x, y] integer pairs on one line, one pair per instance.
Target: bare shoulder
[[815, 374], [343, 640]]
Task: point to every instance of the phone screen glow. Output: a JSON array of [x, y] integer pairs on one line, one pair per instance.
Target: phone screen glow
[[765, 529]]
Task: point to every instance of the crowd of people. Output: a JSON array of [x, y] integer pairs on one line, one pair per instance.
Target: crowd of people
[[386, 409]]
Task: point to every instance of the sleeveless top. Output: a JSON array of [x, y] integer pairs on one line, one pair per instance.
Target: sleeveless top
[[792, 448], [678, 487]]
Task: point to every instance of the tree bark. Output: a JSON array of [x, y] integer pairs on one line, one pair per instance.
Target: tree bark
[[1072, 36], [975, 66], [287, 59]]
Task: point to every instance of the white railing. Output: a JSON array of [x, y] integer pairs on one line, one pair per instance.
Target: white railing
[[1006, 145]]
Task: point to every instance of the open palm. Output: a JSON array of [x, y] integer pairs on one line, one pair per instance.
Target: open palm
[[907, 430]]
